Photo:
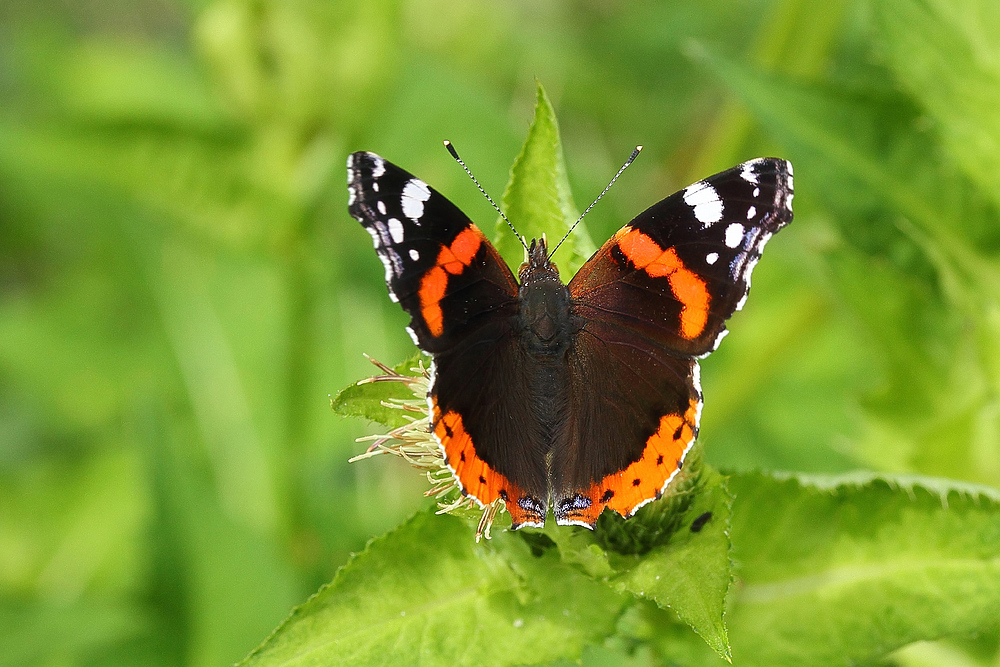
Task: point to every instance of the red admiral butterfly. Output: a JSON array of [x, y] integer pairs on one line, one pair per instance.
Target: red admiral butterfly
[[582, 396]]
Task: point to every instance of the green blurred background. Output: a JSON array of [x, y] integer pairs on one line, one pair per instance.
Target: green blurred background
[[181, 287]]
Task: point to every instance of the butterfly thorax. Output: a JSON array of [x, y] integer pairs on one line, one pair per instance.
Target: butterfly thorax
[[543, 305]]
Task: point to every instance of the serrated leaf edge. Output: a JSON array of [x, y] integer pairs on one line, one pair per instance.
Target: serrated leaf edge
[[939, 486]]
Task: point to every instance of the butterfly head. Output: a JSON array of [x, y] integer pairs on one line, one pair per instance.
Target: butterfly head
[[538, 267]]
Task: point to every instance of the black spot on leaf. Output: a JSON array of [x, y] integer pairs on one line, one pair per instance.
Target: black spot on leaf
[[700, 522]]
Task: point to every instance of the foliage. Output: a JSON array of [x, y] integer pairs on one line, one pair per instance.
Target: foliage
[[373, 401], [181, 290], [843, 570], [538, 195]]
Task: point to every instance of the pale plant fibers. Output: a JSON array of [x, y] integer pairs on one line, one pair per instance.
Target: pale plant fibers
[[415, 443]]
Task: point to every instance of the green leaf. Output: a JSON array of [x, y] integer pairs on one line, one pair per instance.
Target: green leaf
[[538, 200], [945, 54], [427, 594], [843, 571], [657, 555], [366, 399], [844, 133], [691, 573], [674, 642]]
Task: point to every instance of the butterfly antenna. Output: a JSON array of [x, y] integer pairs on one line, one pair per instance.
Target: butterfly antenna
[[635, 154], [454, 154]]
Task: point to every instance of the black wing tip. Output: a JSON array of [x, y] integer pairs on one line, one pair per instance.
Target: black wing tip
[[362, 166], [783, 174], [766, 166], [361, 154]]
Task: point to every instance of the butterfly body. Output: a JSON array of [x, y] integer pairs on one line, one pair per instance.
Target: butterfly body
[[579, 396]]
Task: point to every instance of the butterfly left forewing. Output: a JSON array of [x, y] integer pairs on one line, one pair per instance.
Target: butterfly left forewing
[[431, 251]]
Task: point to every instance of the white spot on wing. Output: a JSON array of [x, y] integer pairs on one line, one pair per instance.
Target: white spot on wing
[[696, 379], [351, 195], [747, 173], [413, 336], [350, 172], [375, 186], [751, 212], [752, 262], [387, 263], [756, 192], [712, 257], [392, 262], [705, 201], [395, 230], [734, 235], [393, 267], [788, 201], [791, 182], [715, 346], [415, 193], [414, 255], [381, 207], [378, 166]]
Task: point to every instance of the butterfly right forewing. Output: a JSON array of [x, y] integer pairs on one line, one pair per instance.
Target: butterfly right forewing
[[680, 269]]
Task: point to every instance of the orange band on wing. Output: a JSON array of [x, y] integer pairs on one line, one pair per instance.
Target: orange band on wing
[[451, 259], [690, 290], [644, 479], [476, 477], [432, 289]]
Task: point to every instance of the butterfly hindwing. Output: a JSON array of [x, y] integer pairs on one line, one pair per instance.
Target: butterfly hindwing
[[634, 413]]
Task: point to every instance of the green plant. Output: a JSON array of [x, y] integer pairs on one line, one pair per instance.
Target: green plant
[[829, 569], [181, 288]]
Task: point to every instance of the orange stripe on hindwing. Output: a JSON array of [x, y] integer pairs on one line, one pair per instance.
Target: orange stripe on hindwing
[[476, 477], [452, 259], [643, 480], [690, 290]]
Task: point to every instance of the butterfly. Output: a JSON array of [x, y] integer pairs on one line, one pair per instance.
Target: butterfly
[[577, 397]]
